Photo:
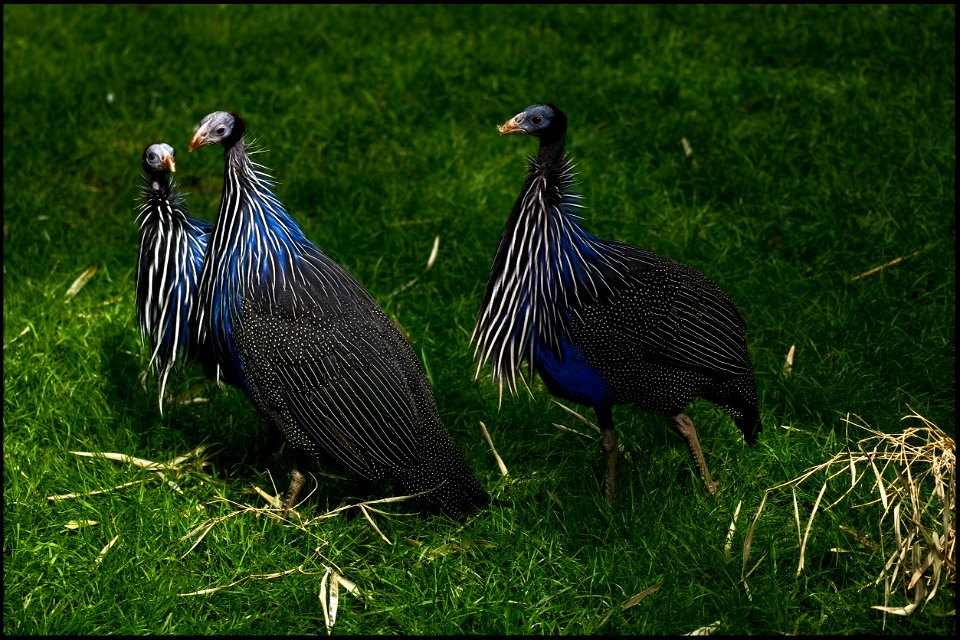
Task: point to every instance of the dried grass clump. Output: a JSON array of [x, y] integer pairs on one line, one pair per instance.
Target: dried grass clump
[[911, 484]]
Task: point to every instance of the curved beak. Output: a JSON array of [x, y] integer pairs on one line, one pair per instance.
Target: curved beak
[[509, 127], [198, 140], [170, 164]]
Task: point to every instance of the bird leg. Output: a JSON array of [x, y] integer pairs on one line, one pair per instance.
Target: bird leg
[[685, 426], [297, 480], [608, 440]]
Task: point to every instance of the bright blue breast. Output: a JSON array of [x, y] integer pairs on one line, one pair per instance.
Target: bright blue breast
[[570, 376]]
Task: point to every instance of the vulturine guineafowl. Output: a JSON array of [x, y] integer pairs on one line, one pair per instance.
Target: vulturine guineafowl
[[604, 322], [314, 351], [172, 247]]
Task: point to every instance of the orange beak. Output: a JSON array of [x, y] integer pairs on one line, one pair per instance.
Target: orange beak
[[197, 141], [510, 126]]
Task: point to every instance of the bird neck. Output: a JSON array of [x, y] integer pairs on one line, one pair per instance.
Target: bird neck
[[172, 247], [551, 153], [159, 185], [254, 220], [157, 188], [162, 202], [543, 239], [255, 245], [546, 268]]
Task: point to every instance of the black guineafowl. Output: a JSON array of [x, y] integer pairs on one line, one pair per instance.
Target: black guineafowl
[[172, 246], [604, 322], [313, 350]]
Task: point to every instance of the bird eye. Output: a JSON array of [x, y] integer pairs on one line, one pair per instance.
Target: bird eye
[[152, 157], [536, 119], [221, 130]]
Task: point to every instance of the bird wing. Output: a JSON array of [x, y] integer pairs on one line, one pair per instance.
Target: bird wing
[[666, 312], [335, 372]]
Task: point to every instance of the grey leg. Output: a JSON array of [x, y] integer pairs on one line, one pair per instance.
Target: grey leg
[[608, 440], [685, 426], [297, 481]]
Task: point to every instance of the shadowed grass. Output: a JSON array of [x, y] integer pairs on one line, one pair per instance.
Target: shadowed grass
[[792, 153]]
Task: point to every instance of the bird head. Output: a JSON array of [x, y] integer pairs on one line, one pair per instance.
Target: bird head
[[541, 120], [219, 127], [158, 158]]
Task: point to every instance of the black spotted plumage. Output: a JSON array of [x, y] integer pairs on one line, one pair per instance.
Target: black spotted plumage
[[605, 322], [313, 349], [172, 246]]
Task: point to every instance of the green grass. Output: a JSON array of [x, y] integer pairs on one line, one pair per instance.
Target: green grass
[[823, 145]]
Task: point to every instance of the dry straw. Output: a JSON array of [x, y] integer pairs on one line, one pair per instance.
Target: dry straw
[[910, 484], [333, 579]]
